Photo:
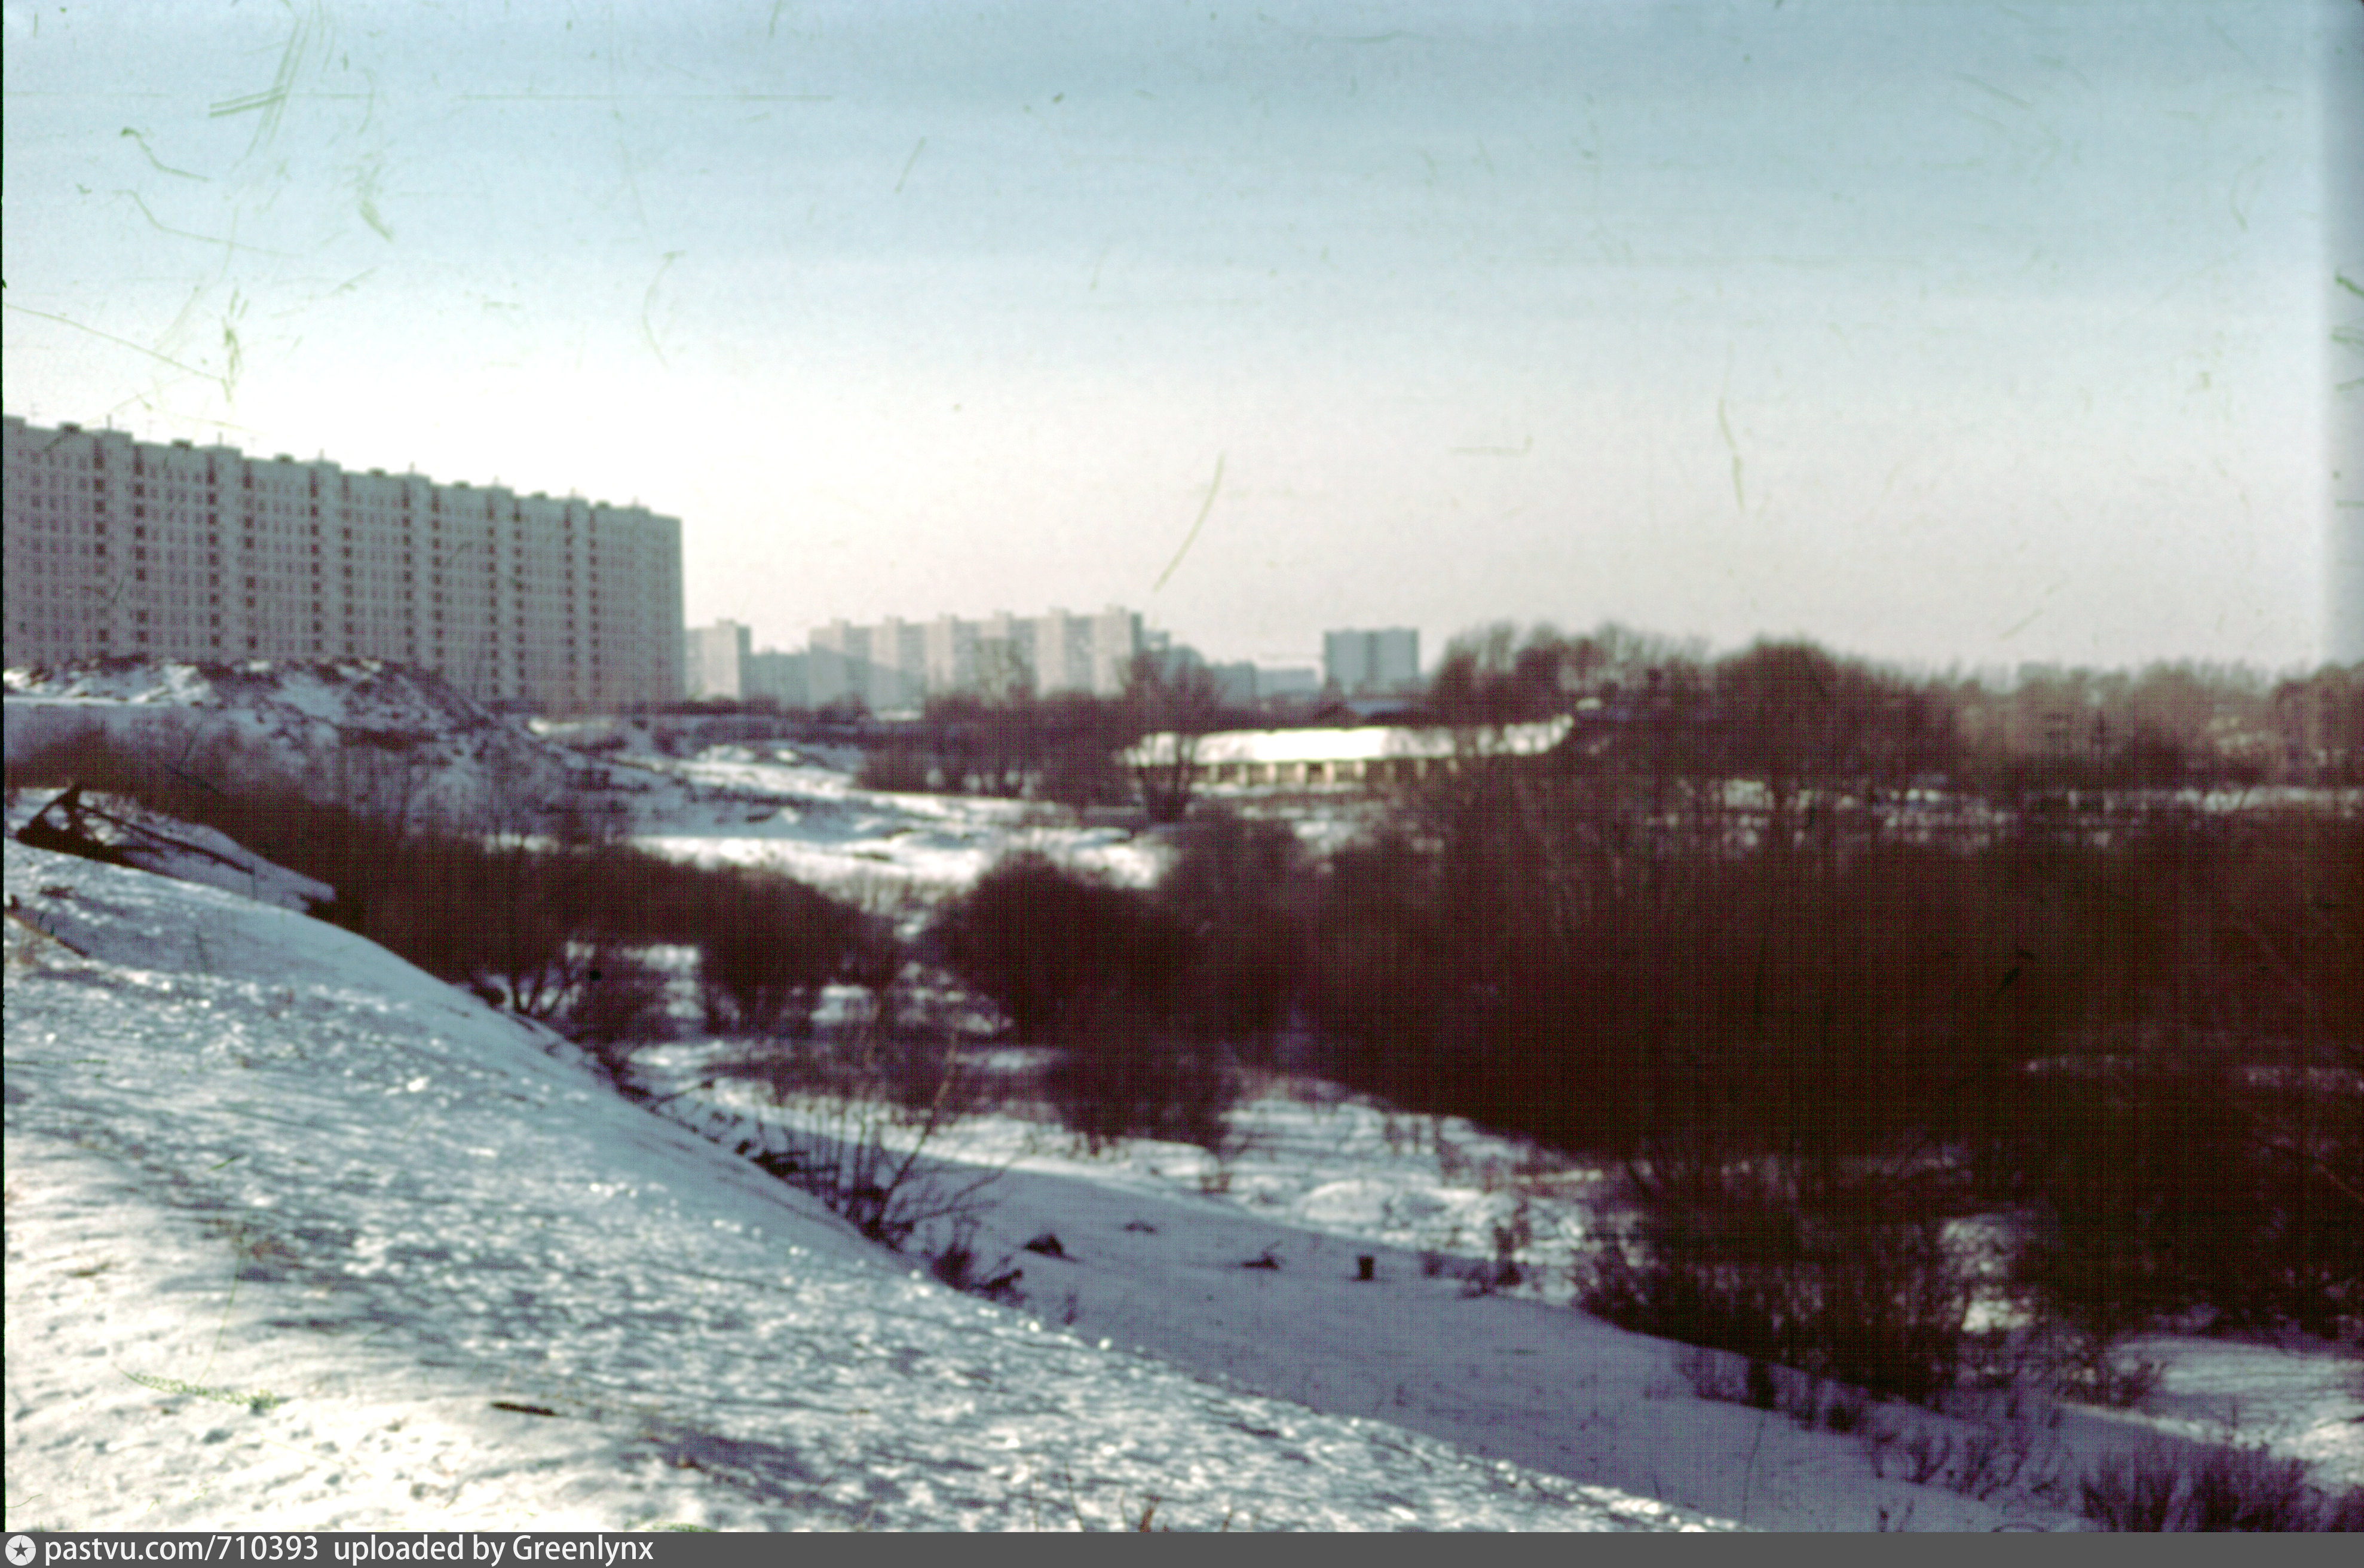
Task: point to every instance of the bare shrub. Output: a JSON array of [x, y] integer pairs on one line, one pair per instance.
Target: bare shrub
[[1847, 1411], [955, 1265], [486, 904], [2134, 1491], [1120, 1075], [851, 1143], [2160, 1487], [1235, 885], [1712, 1374], [2169, 1184], [1889, 1303], [2246, 1489], [2092, 1370], [1041, 939], [1802, 1400], [762, 971], [1761, 1389], [1875, 1305], [618, 1008], [1992, 1459], [1926, 1454], [897, 767]]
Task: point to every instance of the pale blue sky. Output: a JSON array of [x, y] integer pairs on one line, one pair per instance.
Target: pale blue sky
[[1935, 332]]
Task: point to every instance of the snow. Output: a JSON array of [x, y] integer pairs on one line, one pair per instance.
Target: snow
[[1364, 743], [188, 851], [1513, 1373], [360, 731], [777, 808], [300, 1236]]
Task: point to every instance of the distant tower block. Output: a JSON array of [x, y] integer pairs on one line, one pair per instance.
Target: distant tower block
[[2345, 572], [1387, 660], [115, 546]]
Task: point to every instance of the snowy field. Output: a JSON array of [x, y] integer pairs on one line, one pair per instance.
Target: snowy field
[[300, 1236], [788, 809]]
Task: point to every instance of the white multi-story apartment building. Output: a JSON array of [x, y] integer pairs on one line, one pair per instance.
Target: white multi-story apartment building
[[1386, 661], [715, 658], [897, 664], [120, 547]]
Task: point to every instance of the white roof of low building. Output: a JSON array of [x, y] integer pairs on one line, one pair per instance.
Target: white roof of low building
[[1366, 743]]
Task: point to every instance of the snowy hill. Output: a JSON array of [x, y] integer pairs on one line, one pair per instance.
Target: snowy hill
[[358, 731], [300, 1236], [384, 737]]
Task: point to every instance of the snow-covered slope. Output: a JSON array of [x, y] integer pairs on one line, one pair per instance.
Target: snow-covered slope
[[298, 1236], [388, 738], [151, 841], [359, 731]]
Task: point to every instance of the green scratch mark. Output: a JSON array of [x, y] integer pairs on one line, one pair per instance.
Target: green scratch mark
[[1192, 537], [1739, 497], [1989, 87], [365, 184], [906, 165], [649, 299], [1522, 449], [163, 228], [261, 1401], [271, 103], [159, 162], [140, 348], [2343, 281]]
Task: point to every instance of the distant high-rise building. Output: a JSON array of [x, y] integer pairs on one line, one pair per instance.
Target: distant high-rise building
[[1385, 661], [2344, 642], [1291, 682], [777, 676], [714, 660], [897, 664], [120, 547]]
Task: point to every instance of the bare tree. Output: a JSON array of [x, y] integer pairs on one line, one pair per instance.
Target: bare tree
[[1168, 706]]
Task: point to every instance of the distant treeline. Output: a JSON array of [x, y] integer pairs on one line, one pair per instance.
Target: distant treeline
[[2165, 724]]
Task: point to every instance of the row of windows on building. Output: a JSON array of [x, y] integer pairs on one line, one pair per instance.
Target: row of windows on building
[[118, 546]]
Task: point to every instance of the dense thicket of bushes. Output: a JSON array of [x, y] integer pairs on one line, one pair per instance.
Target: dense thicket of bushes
[[1806, 1033], [547, 928], [2145, 1037], [1046, 942], [1145, 995]]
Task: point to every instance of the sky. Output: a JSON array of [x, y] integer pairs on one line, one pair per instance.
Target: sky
[[1947, 335]]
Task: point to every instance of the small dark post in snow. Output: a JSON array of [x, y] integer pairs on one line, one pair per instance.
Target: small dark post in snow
[[1364, 1263]]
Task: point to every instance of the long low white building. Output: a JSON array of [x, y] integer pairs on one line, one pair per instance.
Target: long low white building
[[1313, 759]]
